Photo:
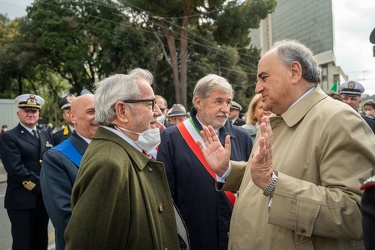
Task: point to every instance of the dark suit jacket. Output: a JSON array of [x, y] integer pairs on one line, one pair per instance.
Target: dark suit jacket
[[368, 216], [205, 211], [22, 156], [61, 135], [370, 122], [239, 122], [57, 179]]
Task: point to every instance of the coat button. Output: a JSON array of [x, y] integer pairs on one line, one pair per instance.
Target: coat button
[[150, 169], [40, 161], [303, 231], [161, 208]]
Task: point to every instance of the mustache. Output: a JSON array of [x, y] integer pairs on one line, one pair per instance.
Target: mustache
[[226, 115]]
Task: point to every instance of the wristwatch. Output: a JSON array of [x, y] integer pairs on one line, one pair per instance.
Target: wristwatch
[[271, 186]]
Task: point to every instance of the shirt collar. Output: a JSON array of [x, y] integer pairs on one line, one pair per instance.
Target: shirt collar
[[123, 136], [29, 129], [303, 96]]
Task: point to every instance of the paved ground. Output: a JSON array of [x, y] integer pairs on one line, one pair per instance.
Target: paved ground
[[3, 174]]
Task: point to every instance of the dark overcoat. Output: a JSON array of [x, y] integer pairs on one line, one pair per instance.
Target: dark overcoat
[[205, 211]]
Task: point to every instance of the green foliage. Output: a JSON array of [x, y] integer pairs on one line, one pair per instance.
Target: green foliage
[[63, 46]]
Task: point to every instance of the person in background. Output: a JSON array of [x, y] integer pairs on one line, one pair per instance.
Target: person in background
[[49, 127], [334, 95], [299, 189], [61, 134], [368, 212], [4, 129], [163, 105], [206, 212], [234, 114], [121, 199], [61, 164], [369, 107], [254, 114], [351, 92], [177, 114], [368, 201], [22, 150]]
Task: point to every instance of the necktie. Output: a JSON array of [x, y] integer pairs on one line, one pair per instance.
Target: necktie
[[35, 134]]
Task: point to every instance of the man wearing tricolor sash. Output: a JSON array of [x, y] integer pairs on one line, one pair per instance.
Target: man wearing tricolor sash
[[205, 211]]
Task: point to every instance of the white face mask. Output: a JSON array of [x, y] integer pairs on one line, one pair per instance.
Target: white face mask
[[367, 112], [148, 140], [161, 118]]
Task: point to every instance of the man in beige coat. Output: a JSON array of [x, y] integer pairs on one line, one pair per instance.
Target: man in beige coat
[[300, 186]]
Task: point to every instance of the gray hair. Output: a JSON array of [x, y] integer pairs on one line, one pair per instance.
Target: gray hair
[[118, 87], [290, 51], [209, 83]]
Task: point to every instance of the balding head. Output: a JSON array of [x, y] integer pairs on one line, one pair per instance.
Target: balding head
[[82, 115]]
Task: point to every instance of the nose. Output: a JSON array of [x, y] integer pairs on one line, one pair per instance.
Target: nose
[[225, 108], [157, 111], [258, 87]]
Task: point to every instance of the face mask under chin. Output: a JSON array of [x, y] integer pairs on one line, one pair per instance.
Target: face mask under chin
[[148, 140]]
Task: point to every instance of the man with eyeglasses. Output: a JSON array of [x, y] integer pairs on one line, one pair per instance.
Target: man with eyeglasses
[[121, 199]]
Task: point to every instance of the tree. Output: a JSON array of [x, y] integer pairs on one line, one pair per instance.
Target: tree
[[84, 41], [170, 21]]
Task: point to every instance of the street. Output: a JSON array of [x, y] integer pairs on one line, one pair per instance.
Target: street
[[5, 234]]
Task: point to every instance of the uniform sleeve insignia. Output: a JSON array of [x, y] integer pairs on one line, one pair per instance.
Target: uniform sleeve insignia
[[370, 182], [29, 185], [56, 130]]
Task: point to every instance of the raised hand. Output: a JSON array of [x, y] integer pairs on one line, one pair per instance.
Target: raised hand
[[261, 164], [217, 156]]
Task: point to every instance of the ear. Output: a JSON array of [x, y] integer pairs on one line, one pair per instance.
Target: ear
[[198, 103], [72, 117], [296, 70], [122, 111]]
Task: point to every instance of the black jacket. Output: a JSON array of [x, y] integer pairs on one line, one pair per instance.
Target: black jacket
[[22, 156]]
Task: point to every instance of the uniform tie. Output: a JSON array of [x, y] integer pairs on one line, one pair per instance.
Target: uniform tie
[[35, 134]]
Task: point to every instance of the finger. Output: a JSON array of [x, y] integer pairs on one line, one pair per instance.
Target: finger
[[227, 143]]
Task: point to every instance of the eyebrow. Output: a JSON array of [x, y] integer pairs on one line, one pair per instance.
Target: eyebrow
[[261, 74]]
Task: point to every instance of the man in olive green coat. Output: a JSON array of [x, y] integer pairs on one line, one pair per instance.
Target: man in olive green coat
[[300, 187], [121, 198]]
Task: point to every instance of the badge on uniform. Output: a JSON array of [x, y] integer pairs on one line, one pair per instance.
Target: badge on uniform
[[48, 145], [370, 182], [29, 185]]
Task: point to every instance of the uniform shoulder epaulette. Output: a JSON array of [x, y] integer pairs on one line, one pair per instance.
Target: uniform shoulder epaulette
[[57, 130], [370, 182]]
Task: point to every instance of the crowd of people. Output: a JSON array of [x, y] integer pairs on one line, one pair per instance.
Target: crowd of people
[[127, 172]]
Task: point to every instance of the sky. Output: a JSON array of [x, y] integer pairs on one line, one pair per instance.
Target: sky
[[353, 22]]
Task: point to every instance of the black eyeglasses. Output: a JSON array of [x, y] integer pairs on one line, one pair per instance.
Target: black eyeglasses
[[142, 100]]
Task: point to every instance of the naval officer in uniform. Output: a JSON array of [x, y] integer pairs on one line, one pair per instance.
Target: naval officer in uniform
[[61, 134], [350, 92], [22, 150]]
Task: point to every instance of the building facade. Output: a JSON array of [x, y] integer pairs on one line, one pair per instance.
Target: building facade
[[311, 23]]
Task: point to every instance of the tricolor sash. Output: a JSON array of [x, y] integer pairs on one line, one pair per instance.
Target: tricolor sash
[[191, 135]]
